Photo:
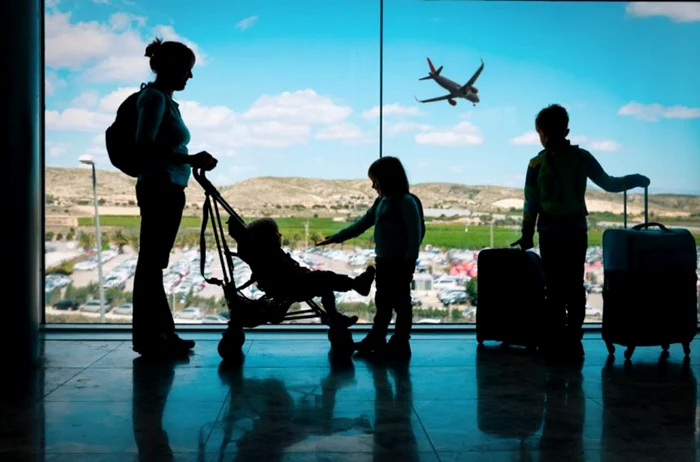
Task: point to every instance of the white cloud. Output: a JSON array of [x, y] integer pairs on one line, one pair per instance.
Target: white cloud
[[54, 149], [303, 107], [463, 134], [246, 23], [122, 21], [52, 82], [404, 127], [653, 112], [604, 145], [112, 101], [167, 33], [456, 169], [85, 100], [197, 115], [533, 139], [345, 132], [675, 11], [276, 121], [529, 138], [391, 109], [76, 119], [110, 51]]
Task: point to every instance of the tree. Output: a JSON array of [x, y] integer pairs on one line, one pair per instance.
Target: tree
[[86, 240], [59, 236], [134, 240], [120, 240], [49, 236], [71, 234], [472, 290]]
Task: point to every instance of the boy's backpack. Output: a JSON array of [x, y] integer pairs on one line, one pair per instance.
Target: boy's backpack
[[120, 137]]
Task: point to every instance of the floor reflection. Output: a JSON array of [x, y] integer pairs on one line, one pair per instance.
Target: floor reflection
[[152, 381], [393, 425], [96, 401], [511, 388], [650, 406]]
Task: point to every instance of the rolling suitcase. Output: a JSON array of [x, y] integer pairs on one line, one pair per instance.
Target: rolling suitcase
[[510, 297], [649, 293]]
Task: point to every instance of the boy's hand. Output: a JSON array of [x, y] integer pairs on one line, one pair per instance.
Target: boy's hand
[[640, 181], [326, 241], [525, 243]]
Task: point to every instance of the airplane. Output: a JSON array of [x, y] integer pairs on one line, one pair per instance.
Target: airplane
[[467, 91]]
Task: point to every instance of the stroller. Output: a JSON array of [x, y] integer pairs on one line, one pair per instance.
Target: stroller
[[246, 312]]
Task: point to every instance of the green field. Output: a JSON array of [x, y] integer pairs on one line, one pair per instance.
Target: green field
[[444, 235]]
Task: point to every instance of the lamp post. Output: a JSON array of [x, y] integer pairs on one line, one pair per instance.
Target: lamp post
[[87, 159]]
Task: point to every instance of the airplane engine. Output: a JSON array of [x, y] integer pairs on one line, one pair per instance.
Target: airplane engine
[[452, 102], [475, 90]]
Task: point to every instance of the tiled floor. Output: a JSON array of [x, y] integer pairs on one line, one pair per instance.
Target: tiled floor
[[97, 401]]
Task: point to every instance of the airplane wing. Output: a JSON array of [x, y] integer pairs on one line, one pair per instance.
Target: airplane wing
[[474, 77], [439, 98]]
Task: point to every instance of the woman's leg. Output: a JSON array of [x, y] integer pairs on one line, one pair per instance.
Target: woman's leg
[[161, 206]]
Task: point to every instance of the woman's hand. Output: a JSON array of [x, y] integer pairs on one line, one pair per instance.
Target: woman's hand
[[203, 160]]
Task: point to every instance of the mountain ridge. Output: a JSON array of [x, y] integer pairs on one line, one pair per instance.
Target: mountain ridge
[[69, 191]]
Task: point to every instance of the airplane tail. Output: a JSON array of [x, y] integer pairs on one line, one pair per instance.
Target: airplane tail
[[433, 71]]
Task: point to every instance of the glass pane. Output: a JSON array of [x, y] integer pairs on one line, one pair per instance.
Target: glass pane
[[284, 95], [630, 90]]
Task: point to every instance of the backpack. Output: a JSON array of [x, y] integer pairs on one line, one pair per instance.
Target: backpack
[[120, 137]]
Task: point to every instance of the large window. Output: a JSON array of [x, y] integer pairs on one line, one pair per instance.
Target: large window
[[286, 96], [628, 85]]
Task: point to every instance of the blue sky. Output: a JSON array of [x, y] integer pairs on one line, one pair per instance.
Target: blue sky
[[292, 88]]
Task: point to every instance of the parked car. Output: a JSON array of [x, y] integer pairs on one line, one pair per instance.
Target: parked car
[[125, 309], [70, 305], [93, 306], [214, 319], [190, 313]]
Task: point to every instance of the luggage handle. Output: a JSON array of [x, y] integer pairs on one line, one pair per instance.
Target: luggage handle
[[649, 225], [646, 207]]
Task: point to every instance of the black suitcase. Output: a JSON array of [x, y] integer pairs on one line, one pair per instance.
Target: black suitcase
[[510, 297], [650, 287]]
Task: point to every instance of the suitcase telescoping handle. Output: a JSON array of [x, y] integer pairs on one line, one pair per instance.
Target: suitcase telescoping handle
[[646, 210]]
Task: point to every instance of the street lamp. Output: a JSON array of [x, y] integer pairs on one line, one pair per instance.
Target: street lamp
[[87, 159]]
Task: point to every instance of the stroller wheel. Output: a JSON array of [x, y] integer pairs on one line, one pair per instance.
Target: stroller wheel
[[342, 344], [231, 343]]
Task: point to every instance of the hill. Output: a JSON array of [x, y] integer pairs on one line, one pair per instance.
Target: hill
[[69, 192]]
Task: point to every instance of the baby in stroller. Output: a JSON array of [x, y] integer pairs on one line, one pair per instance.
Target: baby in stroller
[[279, 275]]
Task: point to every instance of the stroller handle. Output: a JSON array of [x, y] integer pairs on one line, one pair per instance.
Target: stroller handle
[[201, 176]]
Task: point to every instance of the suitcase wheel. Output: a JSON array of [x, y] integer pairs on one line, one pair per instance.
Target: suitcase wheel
[[686, 349], [611, 348], [629, 352], [664, 347]]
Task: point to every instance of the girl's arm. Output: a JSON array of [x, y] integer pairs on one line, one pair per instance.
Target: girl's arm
[[356, 229], [412, 222]]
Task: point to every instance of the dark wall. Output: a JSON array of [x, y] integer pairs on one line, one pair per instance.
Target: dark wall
[[21, 132]]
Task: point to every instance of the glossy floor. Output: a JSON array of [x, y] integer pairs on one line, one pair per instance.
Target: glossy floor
[[97, 401]]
